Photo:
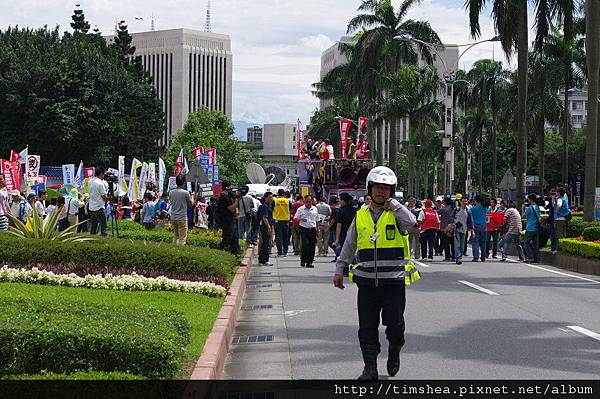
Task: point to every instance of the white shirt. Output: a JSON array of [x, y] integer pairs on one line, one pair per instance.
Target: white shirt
[[97, 189], [4, 206], [311, 215], [40, 210], [71, 206], [559, 204]]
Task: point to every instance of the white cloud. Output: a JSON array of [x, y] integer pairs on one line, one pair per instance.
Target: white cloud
[[276, 43]]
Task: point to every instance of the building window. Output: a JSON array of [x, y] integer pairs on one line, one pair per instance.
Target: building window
[[575, 105]]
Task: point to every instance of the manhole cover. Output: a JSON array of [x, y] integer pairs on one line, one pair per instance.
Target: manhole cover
[[251, 339], [256, 307]]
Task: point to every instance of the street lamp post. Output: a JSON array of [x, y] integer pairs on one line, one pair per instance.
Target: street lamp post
[[450, 79]]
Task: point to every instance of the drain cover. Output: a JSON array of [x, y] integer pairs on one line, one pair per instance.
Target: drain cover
[[256, 307], [259, 285], [251, 339]]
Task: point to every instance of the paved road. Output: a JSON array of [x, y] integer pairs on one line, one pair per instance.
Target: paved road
[[478, 320]]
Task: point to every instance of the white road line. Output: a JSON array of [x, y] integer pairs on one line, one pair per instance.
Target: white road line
[[554, 271], [562, 329], [585, 331], [420, 263], [478, 287]]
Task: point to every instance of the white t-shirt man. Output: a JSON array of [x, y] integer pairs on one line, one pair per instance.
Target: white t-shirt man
[[311, 215], [40, 209], [97, 188], [330, 151]]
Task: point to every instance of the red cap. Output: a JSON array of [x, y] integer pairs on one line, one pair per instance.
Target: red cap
[[428, 202]]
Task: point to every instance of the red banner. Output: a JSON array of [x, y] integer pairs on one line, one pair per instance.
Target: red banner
[[300, 140], [6, 168], [344, 130], [17, 172], [362, 123], [197, 153], [88, 173], [212, 154]]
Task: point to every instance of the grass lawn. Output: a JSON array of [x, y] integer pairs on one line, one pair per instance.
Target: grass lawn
[[200, 311]]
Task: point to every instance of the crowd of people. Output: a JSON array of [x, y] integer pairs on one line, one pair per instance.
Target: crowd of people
[[322, 149]]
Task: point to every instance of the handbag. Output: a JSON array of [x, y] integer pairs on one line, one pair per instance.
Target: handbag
[[449, 230]]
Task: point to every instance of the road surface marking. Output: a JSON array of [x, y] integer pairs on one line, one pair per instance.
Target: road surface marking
[[478, 287], [563, 330], [421, 264], [584, 331], [292, 313], [554, 271]]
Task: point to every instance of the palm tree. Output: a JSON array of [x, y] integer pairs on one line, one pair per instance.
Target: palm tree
[[511, 24], [380, 23], [592, 45]]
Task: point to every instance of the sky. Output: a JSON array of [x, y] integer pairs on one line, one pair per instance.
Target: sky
[[276, 44]]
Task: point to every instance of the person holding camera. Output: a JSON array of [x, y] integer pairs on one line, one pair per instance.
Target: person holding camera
[[227, 207], [532, 230], [98, 191], [180, 201], [246, 216]]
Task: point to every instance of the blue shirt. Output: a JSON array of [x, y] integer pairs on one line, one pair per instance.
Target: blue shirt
[[479, 214], [532, 213], [265, 211]]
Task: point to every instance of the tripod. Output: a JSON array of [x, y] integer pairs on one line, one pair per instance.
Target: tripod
[[114, 225]]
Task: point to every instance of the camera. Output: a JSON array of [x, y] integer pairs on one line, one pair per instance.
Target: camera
[[111, 177]]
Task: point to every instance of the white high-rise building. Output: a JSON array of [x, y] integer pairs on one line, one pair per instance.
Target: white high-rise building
[[190, 69]]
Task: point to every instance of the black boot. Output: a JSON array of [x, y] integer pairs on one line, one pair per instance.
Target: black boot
[[393, 363], [369, 353]]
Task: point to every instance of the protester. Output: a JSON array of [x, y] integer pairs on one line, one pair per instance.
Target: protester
[[70, 209], [438, 234], [351, 150], [201, 216], [532, 230], [246, 215], [362, 148], [40, 204], [254, 229], [50, 209], [308, 217], [98, 198], [329, 150], [19, 207], [148, 215], [512, 219], [343, 219], [126, 208], [281, 214], [550, 222], [211, 213], [561, 212], [180, 201], [227, 206], [265, 215], [429, 222], [479, 242], [83, 215], [4, 206], [460, 230], [296, 237], [323, 233], [447, 228], [495, 220], [162, 207]]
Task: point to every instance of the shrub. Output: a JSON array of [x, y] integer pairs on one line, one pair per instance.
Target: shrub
[[575, 227], [580, 248], [591, 233], [166, 237], [66, 337], [121, 254]]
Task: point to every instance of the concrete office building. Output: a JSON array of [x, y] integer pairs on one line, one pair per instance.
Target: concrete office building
[[578, 100], [190, 69], [254, 135], [280, 147], [333, 57]]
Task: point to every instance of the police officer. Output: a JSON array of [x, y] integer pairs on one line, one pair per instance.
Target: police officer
[[378, 243]]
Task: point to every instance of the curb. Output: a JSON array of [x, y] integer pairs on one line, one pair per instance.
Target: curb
[[210, 364]]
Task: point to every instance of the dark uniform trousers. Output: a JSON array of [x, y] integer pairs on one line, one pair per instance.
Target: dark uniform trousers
[[388, 301]]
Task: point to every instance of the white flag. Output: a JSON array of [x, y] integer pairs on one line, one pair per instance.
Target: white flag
[[79, 178], [134, 187], [68, 173], [162, 172], [185, 172], [143, 179], [122, 188], [152, 172], [23, 155]]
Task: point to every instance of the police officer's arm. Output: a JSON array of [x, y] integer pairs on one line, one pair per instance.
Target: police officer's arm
[[405, 218], [348, 250]]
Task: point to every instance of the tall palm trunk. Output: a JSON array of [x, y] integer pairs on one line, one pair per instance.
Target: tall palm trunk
[[480, 171], [393, 144], [494, 155], [411, 168], [426, 178], [380, 143], [565, 138], [371, 139], [522, 48], [417, 193], [540, 133], [592, 45]]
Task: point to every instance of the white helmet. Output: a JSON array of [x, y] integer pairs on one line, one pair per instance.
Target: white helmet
[[382, 175]]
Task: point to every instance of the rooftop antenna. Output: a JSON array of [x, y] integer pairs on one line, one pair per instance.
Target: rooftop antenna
[[152, 27], [207, 25]]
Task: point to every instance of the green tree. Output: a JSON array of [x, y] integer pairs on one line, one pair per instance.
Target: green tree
[[592, 45], [79, 23], [123, 40], [212, 129]]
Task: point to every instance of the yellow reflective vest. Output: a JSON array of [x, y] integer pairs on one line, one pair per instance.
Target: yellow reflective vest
[[383, 253], [282, 209]]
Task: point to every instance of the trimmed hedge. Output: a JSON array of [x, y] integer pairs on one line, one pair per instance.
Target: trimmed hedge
[[575, 227], [121, 254], [580, 248], [166, 237], [67, 336], [591, 233]]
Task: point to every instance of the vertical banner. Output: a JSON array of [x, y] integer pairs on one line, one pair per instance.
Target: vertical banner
[[16, 170], [33, 165], [6, 170], [300, 140], [152, 172], [178, 167], [133, 182], [122, 184], [344, 130], [143, 179], [216, 174], [197, 151], [162, 172], [362, 123], [79, 177], [185, 171], [212, 155], [89, 172], [68, 173], [597, 204]]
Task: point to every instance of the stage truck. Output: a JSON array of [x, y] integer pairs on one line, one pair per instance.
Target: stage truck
[[325, 178]]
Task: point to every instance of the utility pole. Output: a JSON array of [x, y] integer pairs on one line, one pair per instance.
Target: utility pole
[[207, 25]]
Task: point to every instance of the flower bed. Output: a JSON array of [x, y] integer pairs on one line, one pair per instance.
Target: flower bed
[[131, 282], [120, 254], [580, 248], [71, 336]]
